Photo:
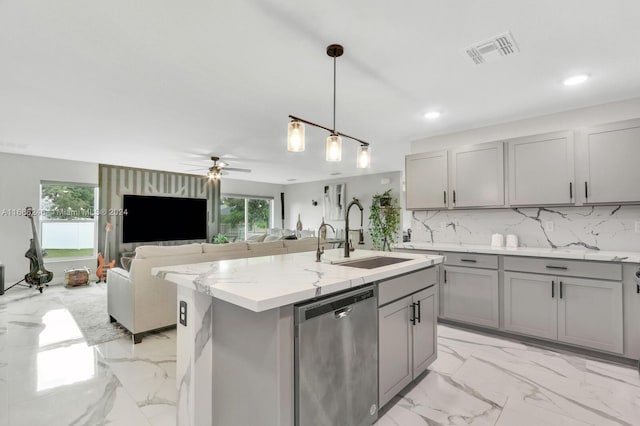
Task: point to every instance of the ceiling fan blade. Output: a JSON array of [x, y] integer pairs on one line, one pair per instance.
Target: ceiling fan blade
[[191, 164], [235, 169]]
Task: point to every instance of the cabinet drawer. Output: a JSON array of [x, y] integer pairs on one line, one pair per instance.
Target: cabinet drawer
[[398, 287], [487, 261], [574, 268]]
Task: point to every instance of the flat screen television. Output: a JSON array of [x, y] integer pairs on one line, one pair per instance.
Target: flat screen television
[[150, 218]]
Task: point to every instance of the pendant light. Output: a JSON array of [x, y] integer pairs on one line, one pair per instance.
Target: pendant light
[[364, 157], [333, 145], [295, 136]]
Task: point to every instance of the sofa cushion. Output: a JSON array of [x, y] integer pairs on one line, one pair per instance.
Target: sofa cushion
[[305, 244], [257, 238], [270, 238], [147, 252], [225, 248], [271, 245]]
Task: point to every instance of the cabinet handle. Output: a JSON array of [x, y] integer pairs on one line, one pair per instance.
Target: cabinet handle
[[553, 293], [468, 260], [586, 190], [445, 276], [563, 268], [638, 288], [413, 314], [454, 196], [445, 197], [560, 289], [419, 311], [570, 190]]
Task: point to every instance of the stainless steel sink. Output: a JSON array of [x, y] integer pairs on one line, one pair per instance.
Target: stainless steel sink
[[372, 262]]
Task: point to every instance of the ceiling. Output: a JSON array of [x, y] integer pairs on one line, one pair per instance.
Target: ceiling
[[157, 83]]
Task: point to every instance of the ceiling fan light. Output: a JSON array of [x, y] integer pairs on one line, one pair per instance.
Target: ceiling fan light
[[334, 148], [295, 136], [364, 157], [214, 173]]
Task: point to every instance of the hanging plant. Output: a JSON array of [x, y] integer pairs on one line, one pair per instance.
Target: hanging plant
[[384, 221]]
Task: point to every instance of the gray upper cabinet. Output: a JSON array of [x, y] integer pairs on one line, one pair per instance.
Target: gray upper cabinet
[[612, 153], [541, 170], [426, 180], [477, 175]]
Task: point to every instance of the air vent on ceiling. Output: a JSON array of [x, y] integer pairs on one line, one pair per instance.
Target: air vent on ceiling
[[495, 47]]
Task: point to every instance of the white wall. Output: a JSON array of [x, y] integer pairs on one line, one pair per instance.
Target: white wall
[[243, 187], [20, 178], [298, 199], [568, 120]]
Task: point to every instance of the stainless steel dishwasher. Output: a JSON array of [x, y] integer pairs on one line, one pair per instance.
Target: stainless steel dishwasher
[[336, 360]]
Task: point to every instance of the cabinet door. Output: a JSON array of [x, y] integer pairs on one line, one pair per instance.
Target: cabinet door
[[424, 330], [477, 175], [541, 170], [612, 163], [471, 295], [395, 363], [590, 313], [530, 304], [426, 180]]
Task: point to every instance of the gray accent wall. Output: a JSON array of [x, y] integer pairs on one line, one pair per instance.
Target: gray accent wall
[[115, 181]]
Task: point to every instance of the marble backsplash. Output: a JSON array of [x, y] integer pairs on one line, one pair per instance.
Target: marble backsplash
[[589, 228]]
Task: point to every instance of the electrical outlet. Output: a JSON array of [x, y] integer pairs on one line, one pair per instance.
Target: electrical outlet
[[638, 226], [443, 226], [548, 226]]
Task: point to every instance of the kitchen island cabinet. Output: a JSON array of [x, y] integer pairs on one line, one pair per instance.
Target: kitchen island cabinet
[[236, 330]]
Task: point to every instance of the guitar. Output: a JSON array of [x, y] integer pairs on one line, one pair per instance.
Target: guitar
[[101, 270], [38, 275]]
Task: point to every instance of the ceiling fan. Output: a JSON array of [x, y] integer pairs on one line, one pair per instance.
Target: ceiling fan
[[216, 171]]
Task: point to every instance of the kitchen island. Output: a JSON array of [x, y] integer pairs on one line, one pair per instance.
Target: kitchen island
[[235, 350]]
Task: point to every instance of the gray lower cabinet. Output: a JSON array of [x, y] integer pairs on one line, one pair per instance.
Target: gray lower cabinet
[[407, 341], [424, 331], [578, 311], [471, 295], [530, 304], [590, 313]]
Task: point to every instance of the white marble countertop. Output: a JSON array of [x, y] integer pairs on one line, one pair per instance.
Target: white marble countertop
[[267, 282], [561, 253]]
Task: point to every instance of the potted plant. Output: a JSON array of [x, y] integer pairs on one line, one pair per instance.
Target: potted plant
[[220, 239], [384, 220]]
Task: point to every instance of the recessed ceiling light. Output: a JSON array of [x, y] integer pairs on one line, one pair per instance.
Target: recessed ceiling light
[[335, 173], [291, 180], [432, 115], [575, 80]]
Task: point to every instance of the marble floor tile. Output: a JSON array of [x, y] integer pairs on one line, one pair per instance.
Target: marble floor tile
[[516, 412], [50, 376]]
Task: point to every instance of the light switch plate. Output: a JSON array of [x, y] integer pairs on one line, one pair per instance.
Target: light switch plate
[[548, 226], [182, 315], [638, 226]]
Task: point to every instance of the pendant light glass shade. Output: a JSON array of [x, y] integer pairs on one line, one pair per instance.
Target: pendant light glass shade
[[334, 148], [364, 157], [295, 137]]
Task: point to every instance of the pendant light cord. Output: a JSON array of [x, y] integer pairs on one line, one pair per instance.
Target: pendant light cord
[[334, 94]]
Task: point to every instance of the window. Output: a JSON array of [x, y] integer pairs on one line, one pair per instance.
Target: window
[[242, 217], [68, 220]]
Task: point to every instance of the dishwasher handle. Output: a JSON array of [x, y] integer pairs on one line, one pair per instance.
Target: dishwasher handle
[[342, 313]]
